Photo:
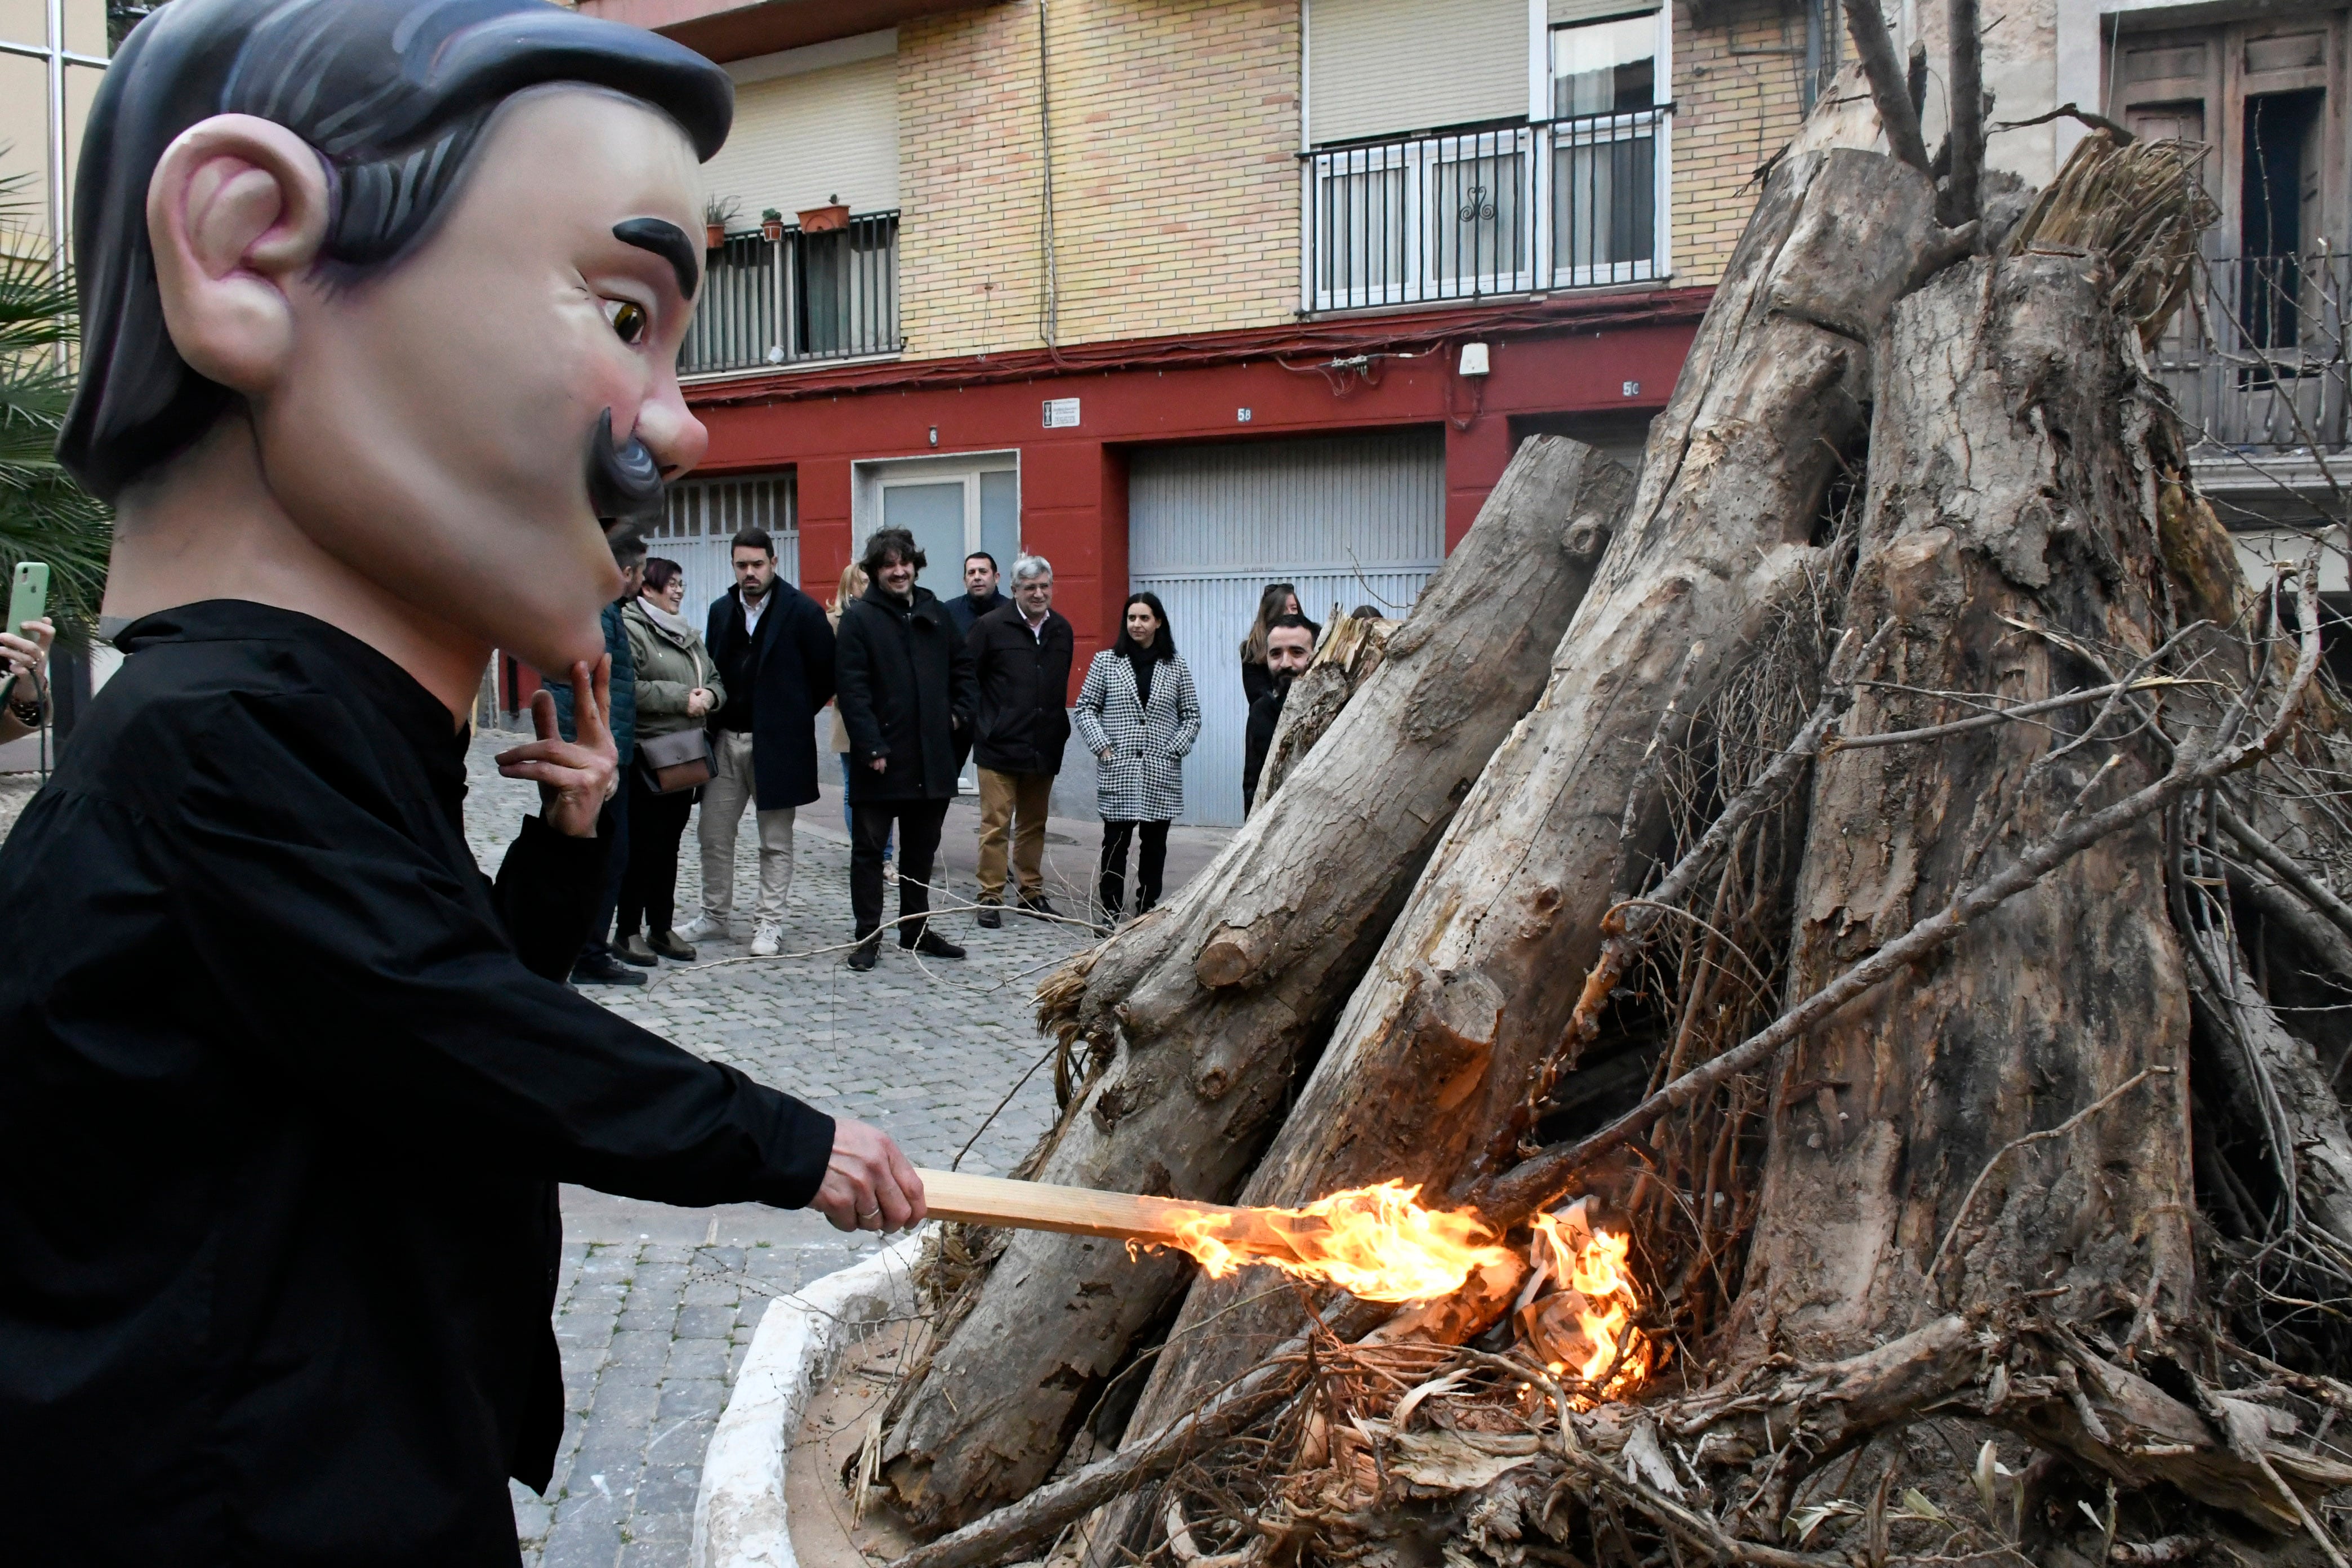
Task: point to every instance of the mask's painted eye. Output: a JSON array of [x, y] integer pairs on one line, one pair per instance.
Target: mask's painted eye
[[628, 320]]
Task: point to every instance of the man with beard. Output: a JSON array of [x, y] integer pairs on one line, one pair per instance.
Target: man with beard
[[382, 307], [1289, 646]]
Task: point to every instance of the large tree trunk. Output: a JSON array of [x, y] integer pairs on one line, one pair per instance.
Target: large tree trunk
[[1215, 1000], [1431, 1065], [2004, 532]]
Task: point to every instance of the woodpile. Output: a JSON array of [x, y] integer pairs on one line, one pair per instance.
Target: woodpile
[[1855, 911]]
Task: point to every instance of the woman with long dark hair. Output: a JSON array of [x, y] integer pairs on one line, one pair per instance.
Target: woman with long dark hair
[[1139, 714]]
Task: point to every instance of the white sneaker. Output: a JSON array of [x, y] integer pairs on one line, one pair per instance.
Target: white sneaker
[[704, 928], [767, 942]]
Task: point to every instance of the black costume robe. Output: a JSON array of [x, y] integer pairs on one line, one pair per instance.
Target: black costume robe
[[285, 1084]]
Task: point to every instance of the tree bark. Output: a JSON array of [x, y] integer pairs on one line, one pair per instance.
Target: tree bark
[[1476, 984], [1210, 1006], [2003, 499]]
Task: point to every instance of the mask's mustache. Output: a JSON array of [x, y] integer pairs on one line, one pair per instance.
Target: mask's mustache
[[624, 482]]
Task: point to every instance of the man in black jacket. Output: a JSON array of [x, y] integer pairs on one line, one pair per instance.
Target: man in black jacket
[[1021, 655], [906, 692], [1289, 649], [286, 1083], [774, 653]]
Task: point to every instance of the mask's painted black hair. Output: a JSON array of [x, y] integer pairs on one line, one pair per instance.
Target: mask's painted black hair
[[393, 94]]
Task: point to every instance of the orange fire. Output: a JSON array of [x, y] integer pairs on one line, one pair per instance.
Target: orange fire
[[1585, 1327], [1374, 1242]]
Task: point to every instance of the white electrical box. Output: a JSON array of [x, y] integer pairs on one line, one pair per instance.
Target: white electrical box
[[1473, 359], [1061, 413]]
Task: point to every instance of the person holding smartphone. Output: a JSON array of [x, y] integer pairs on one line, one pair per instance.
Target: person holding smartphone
[[24, 656]]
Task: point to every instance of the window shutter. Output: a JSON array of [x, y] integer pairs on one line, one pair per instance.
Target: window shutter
[[802, 139], [1381, 68], [1566, 11]]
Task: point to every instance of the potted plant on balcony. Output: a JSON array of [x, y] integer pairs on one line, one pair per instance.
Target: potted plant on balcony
[[716, 212], [771, 226], [825, 219]]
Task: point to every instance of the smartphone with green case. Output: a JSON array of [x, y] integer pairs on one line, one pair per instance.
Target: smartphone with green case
[[28, 600]]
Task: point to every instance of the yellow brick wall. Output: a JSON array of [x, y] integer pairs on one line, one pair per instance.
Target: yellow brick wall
[[1738, 97], [1175, 130]]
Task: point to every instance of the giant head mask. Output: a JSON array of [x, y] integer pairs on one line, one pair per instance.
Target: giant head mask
[[426, 262]]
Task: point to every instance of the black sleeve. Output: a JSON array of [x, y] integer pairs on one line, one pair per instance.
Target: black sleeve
[[1258, 737], [817, 655], [374, 979], [963, 685], [547, 892], [854, 687]]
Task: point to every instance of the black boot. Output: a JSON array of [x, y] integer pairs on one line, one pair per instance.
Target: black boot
[[931, 945], [867, 952]]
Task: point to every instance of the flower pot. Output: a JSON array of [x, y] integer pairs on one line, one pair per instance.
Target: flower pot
[[825, 220], [771, 229], [714, 235]]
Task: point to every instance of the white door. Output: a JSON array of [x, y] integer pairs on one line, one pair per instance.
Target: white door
[[1349, 519]]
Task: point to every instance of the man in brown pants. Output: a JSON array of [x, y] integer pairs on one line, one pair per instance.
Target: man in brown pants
[[1023, 653]]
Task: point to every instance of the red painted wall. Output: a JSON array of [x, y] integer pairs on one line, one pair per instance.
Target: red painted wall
[[1074, 481]]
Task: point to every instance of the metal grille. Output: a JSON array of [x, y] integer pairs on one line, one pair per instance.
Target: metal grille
[[2257, 357], [703, 519], [801, 297], [1571, 203]]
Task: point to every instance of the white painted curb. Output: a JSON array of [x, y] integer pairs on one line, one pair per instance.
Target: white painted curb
[[738, 1512]]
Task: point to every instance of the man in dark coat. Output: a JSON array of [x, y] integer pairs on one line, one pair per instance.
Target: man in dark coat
[[1021, 655], [979, 598], [906, 692], [1289, 649], [774, 653], [286, 1083]]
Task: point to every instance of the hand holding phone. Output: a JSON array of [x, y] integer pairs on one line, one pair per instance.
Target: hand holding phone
[[28, 600]]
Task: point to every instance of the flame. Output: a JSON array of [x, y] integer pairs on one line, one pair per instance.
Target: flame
[[1374, 1242], [1586, 1324]]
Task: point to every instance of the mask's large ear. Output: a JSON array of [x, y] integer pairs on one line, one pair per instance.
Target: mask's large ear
[[235, 211]]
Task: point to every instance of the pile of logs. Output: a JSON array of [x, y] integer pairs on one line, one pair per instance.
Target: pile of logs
[[1887, 857]]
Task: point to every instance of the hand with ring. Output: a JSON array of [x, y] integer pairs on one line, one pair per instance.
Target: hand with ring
[[869, 1183]]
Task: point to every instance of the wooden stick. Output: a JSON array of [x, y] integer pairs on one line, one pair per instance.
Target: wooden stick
[[1083, 1211]]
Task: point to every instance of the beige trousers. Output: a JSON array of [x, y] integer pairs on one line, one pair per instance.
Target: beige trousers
[[731, 789]]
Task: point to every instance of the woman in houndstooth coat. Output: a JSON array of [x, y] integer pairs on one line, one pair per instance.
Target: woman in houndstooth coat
[[1139, 714]]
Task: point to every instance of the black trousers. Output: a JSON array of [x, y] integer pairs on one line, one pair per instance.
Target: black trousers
[[613, 825], [649, 887], [917, 822], [1150, 864]]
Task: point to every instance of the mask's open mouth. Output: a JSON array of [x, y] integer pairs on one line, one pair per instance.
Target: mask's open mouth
[[624, 482]]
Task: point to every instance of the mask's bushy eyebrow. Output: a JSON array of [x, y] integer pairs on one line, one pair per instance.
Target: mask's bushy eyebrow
[[665, 240]]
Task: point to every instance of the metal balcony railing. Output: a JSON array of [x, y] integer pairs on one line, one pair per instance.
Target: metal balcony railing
[[803, 297], [2257, 358], [1569, 203]]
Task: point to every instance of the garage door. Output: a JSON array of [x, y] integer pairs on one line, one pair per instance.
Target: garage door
[[1350, 520], [699, 531]]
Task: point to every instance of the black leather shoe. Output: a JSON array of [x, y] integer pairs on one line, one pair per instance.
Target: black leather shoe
[[991, 916], [634, 951], [1035, 905], [603, 969], [671, 945], [931, 945], [864, 955]]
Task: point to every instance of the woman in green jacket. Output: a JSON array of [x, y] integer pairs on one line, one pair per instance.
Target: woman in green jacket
[[677, 689]]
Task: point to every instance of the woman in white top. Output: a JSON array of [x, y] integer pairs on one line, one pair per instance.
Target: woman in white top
[[1139, 714]]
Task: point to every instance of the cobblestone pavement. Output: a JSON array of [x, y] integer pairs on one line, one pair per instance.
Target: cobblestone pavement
[[657, 1305]]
